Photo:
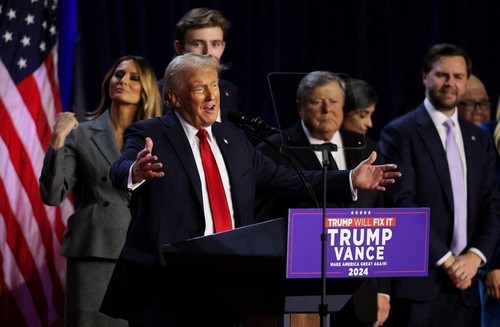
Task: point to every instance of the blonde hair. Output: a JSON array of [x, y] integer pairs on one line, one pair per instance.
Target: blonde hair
[[496, 133]]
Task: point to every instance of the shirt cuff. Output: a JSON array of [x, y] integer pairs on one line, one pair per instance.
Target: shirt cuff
[[480, 255], [444, 258], [130, 185]]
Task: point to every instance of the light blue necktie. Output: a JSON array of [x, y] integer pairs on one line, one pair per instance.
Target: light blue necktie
[[459, 240]]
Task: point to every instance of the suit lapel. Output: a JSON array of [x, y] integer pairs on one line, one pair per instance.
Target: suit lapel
[[231, 160], [430, 137], [104, 139], [177, 137], [353, 155], [305, 157], [471, 152]]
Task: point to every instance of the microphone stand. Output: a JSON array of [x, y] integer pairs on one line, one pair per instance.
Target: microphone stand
[[325, 149], [300, 173]]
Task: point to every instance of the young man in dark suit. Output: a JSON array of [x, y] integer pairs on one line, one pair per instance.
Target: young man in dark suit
[[203, 31]]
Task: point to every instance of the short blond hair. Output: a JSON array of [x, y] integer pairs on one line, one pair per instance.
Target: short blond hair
[[182, 64]]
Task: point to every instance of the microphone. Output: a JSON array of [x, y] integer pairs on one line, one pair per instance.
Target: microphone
[[256, 123]]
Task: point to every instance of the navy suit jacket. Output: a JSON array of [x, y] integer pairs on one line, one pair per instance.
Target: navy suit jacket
[[169, 209], [155, 205], [412, 142]]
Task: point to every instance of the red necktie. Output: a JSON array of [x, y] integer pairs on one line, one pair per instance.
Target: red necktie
[[216, 194]]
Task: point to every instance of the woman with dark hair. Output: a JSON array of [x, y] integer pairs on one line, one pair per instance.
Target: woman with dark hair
[[360, 102], [78, 159]]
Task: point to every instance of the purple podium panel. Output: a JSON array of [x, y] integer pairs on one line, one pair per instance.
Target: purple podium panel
[[361, 242]]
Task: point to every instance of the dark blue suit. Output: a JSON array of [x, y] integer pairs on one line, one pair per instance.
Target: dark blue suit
[[413, 143], [169, 209]]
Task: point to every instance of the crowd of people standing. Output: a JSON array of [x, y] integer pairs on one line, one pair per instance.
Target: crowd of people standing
[[142, 174]]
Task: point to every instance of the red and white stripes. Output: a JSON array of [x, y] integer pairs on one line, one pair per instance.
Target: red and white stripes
[[31, 268]]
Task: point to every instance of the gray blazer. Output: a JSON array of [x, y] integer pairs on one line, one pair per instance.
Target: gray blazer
[[99, 225]]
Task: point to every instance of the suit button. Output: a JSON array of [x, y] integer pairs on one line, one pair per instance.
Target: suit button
[[105, 203], [104, 179]]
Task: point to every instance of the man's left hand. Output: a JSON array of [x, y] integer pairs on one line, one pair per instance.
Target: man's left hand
[[373, 177]]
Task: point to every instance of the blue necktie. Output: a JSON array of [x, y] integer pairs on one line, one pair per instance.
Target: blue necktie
[[455, 166]]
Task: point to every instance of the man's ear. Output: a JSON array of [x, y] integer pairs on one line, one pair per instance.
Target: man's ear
[[424, 77], [178, 48], [299, 108], [173, 99]]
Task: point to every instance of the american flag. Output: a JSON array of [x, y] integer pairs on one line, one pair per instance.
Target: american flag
[[32, 271]]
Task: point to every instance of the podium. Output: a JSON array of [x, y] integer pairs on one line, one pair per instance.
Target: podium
[[244, 271]]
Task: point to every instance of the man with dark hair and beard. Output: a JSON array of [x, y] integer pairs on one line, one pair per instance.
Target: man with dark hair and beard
[[448, 165]]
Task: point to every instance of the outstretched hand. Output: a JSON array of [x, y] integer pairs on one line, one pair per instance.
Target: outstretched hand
[[373, 177], [145, 166]]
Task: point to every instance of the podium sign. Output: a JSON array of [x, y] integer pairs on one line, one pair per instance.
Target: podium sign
[[361, 242]]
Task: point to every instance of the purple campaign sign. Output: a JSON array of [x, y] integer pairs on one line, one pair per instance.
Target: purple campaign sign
[[361, 242]]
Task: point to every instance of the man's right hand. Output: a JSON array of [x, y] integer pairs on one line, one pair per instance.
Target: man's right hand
[[145, 166]]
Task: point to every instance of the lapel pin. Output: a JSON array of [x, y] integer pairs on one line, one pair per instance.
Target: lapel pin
[[473, 137], [226, 93], [225, 141]]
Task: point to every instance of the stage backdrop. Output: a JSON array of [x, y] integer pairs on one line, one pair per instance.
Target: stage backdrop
[[381, 41]]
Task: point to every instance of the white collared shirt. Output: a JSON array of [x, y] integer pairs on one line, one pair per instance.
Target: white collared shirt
[[194, 141], [338, 156]]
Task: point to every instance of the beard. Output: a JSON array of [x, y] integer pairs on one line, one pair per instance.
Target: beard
[[440, 102]]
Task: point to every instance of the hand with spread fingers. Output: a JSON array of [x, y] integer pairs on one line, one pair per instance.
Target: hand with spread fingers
[[374, 177], [146, 165]]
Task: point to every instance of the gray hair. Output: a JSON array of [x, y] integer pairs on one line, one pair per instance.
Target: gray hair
[[316, 79]]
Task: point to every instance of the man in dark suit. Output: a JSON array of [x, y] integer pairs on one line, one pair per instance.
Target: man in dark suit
[[420, 142], [171, 201], [203, 31], [320, 104]]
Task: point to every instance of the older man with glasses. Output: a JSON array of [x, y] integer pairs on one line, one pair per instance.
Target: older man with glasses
[[475, 104]]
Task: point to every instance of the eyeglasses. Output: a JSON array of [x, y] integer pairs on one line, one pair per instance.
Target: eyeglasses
[[472, 105]]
